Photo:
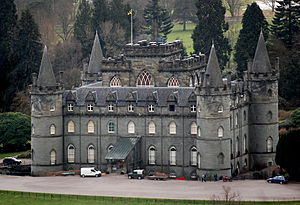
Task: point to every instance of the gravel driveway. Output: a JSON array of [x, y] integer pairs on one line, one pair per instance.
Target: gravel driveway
[[119, 185]]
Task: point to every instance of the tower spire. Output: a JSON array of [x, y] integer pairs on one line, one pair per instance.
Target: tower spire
[[213, 75], [96, 56], [46, 76], [261, 62]]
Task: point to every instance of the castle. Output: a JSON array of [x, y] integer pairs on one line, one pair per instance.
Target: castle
[[151, 108]]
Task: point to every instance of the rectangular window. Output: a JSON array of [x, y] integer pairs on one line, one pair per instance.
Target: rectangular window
[[194, 158], [90, 107], [193, 108], [110, 108], [171, 108], [111, 127], [70, 107], [130, 108], [151, 108]]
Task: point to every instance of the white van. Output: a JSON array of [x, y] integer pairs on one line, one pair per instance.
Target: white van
[[90, 172]]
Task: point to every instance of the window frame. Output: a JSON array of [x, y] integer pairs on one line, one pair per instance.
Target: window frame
[[193, 108], [151, 128], [70, 107], [193, 128], [90, 107], [69, 127], [109, 126], [152, 155], [91, 127], [194, 154], [110, 107], [91, 153], [130, 108], [151, 108], [71, 155], [131, 127], [53, 157], [172, 156], [52, 129], [172, 128]]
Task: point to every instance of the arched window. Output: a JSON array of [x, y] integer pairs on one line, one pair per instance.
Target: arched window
[[173, 82], [115, 82], [91, 127], [221, 158], [152, 155], [237, 145], [172, 153], [269, 144], [220, 132], [91, 154], [145, 80], [199, 161], [109, 148], [71, 153], [131, 128], [53, 157], [71, 126], [244, 143], [151, 128], [193, 156], [111, 127], [199, 132], [52, 129], [193, 128], [220, 109], [236, 119], [172, 128]]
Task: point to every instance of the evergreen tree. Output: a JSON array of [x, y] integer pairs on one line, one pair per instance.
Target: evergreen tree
[[211, 27], [100, 14], [158, 21], [28, 51], [253, 21], [8, 21], [83, 31], [286, 21]]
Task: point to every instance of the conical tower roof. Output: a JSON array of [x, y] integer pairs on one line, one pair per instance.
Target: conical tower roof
[[96, 57], [261, 62], [46, 76], [213, 70]]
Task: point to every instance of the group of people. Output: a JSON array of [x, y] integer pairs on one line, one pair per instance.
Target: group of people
[[203, 178]]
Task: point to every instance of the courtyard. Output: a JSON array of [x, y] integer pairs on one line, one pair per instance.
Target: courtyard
[[121, 186]]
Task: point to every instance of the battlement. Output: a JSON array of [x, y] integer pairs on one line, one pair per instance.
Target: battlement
[[191, 63], [118, 64], [153, 49], [263, 76]]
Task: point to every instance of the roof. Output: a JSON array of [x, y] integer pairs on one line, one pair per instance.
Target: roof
[[213, 70], [122, 148], [96, 57], [46, 76], [261, 62], [141, 95]]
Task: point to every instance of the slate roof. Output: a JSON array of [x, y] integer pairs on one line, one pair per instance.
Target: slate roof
[[46, 76], [141, 93], [261, 62], [122, 148], [96, 57], [213, 69]]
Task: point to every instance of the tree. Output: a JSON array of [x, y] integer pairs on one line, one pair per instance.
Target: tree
[[28, 50], [286, 21], [184, 11], [233, 6], [8, 21], [83, 31], [158, 21], [287, 152], [253, 22], [211, 27], [100, 14], [15, 131]]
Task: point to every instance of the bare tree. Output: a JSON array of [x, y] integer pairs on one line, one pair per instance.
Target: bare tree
[[270, 3], [227, 196], [234, 6]]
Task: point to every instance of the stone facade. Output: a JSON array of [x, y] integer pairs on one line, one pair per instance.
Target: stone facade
[[185, 118]]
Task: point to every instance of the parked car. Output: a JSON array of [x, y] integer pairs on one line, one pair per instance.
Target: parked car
[[172, 175], [227, 179], [90, 172], [158, 176], [137, 174], [277, 179], [11, 161]]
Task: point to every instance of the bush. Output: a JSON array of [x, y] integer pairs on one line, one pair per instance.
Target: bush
[[295, 118]]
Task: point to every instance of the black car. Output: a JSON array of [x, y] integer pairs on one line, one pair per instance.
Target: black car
[[11, 161]]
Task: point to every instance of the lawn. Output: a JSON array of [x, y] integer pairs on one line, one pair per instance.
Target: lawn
[[3, 155], [27, 198]]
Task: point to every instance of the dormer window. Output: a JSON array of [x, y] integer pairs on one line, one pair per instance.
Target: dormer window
[[193, 108], [171, 108], [110, 108], [220, 109], [130, 108], [90, 107], [52, 107], [150, 108], [70, 107]]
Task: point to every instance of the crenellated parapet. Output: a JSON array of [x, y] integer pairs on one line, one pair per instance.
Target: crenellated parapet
[[119, 64], [153, 49], [194, 62]]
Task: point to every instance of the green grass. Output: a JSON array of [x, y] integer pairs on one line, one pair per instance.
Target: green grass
[[185, 36], [3, 155], [29, 198]]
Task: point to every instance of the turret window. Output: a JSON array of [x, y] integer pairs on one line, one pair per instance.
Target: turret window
[[91, 127], [152, 151], [52, 129], [110, 108], [269, 144], [220, 132], [70, 107], [193, 128], [193, 108], [193, 156], [90, 107], [52, 157], [91, 154]]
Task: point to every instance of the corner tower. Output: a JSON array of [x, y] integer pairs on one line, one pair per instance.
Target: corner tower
[[46, 119], [213, 121], [263, 108]]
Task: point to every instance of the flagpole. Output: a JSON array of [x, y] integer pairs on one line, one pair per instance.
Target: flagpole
[[131, 35]]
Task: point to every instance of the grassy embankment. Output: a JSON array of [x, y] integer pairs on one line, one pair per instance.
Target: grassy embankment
[[20, 154], [27, 198]]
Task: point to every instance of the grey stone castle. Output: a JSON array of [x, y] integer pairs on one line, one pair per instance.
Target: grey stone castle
[[151, 108]]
